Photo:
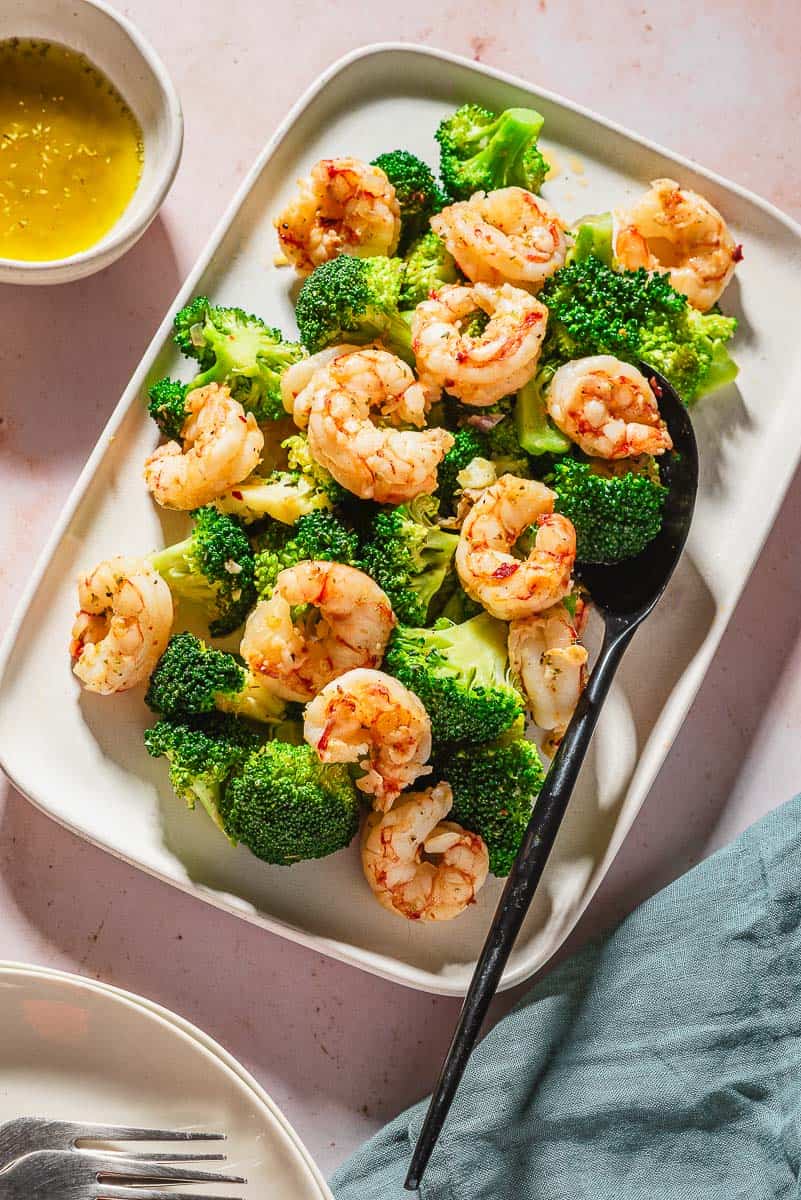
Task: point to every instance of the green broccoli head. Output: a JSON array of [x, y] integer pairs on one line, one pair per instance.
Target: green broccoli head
[[461, 674], [616, 508], [192, 678], [236, 348], [285, 805], [167, 406], [354, 300], [468, 444], [212, 567], [284, 495], [429, 265], [482, 150], [691, 353], [202, 753], [318, 535], [494, 787], [635, 315], [417, 191], [409, 557]]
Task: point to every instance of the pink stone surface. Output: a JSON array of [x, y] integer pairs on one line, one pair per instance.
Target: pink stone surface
[[342, 1052]]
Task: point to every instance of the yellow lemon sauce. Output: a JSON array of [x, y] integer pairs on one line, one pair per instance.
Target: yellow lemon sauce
[[70, 151]]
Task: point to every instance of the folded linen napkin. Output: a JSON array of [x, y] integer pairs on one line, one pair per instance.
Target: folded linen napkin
[[664, 1062]]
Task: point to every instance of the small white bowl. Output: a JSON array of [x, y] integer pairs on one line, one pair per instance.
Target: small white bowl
[[114, 46]]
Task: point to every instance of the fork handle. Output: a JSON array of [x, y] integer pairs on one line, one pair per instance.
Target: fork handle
[[520, 887]]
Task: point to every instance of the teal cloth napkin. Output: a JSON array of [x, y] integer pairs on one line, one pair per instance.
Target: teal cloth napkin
[[663, 1063]]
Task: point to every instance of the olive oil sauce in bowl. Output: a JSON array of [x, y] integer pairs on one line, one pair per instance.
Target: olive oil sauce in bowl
[[71, 151], [91, 133]]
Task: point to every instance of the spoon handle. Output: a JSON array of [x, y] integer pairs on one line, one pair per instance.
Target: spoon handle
[[520, 887]]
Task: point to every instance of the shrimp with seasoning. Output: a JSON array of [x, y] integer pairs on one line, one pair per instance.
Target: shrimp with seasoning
[[511, 588], [345, 206], [673, 229], [297, 381], [545, 654], [122, 627], [344, 622], [436, 887], [608, 408], [374, 462], [478, 369], [221, 447], [506, 236], [369, 717]]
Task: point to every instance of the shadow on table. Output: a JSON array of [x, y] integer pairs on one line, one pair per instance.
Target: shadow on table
[[75, 347]]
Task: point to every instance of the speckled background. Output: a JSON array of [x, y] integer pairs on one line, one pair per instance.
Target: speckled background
[[342, 1052]]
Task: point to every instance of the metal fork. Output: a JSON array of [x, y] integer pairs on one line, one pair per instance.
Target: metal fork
[[23, 1135], [82, 1175]]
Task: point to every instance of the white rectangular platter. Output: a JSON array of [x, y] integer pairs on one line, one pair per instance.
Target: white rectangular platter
[[96, 777]]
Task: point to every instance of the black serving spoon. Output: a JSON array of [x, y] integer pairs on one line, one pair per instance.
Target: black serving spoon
[[624, 594]]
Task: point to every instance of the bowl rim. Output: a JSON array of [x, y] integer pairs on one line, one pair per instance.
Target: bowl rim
[[123, 233]]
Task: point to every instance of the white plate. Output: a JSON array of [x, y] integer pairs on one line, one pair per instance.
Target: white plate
[[66, 1051], [96, 777]]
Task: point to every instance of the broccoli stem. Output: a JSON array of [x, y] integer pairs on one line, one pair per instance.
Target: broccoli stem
[[536, 431], [721, 371], [173, 563], [398, 337], [592, 236]]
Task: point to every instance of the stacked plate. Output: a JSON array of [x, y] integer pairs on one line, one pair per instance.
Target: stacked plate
[[72, 1049]]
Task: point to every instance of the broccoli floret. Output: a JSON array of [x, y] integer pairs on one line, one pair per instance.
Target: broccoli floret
[[354, 300], [636, 315], [192, 678], [238, 349], [417, 191], [287, 495], [615, 509], [285, 805], [202, 753], [494, 787], [536, 432], [409, 556], [167, 406], [482, 150], [213, 567], [318, 535], [468, 444], [429, 265], [461, 674]]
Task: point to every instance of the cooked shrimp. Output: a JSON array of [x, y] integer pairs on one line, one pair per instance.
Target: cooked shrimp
[[221, 446], [345, 622], [675, 230], [608, 408], [297, 381], [545, 654], [478, 369], [345, 206], [123, 625], [410, 885], [506, 236], [374, 462], [509, 587], [368, 717]]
